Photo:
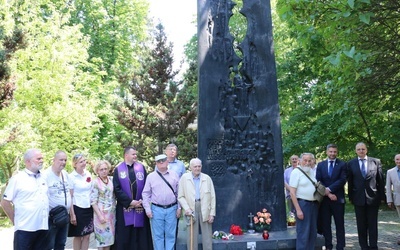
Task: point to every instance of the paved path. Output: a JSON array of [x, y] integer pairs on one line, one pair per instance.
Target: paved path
[[389, 231]]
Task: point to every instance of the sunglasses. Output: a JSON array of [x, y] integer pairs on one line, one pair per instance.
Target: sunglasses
[[162, 160]]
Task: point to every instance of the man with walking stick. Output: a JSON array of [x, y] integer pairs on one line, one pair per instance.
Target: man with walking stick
[[196, 196]]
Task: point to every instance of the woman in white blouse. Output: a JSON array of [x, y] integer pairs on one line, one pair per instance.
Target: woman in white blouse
[[81, 225]]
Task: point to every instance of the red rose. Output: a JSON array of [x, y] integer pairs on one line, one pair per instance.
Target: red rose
[[88, 179], [235, 230]]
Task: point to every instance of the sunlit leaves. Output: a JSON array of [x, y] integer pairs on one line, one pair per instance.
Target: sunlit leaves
[[349, 47]]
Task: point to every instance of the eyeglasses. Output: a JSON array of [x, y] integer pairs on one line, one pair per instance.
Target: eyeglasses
[[162, 160], [77, 156]]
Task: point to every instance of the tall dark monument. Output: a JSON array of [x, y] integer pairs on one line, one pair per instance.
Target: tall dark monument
[[239, 130]]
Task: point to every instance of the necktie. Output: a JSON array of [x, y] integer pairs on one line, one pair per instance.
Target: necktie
[[362, 167], [330, 168]]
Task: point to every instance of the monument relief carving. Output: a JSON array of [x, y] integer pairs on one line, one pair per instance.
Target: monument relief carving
[[239, 127]]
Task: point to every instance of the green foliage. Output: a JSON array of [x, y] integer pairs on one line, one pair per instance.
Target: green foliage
[[156, 106], [56, 97], [10, 44], [62, 66], [5, 222], [327, 54], [116, 30]]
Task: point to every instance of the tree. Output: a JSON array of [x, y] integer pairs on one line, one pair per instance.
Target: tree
[[54, 105], [116, 31], [10, 44], [156, 106], [334, 51]]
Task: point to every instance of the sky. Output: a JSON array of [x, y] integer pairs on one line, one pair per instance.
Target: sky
[[177, 17]]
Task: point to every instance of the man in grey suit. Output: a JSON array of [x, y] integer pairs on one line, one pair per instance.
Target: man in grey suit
[[393, 187], [366, 188]]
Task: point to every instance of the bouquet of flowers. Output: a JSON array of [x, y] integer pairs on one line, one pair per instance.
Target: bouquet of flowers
[[291, 219], [235, 230], [222, 235], [262, 220]]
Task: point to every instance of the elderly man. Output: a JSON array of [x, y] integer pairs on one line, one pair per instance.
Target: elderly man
[[294, 161], [197, 196], [59, 194], [301, 192], [366, 189], [161, 205], [173, 163], [26, 203], [393, 187]]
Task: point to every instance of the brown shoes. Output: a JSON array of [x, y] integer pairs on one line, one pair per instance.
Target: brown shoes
[[398, 242]]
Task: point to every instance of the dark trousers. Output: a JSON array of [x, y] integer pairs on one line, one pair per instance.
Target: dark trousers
[[306, 229], [329, 209], [24, 240], [367, 226], [56, 237]]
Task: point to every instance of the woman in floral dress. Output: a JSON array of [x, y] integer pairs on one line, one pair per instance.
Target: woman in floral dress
[[103, 203]]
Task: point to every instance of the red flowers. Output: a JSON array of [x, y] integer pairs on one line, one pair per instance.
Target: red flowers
[[88, 179], [235, 230]]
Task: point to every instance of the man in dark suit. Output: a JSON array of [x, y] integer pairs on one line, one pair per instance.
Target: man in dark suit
[[366, 191], [332, 174]]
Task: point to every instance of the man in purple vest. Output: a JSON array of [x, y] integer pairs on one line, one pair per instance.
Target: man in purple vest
[[133, 227]]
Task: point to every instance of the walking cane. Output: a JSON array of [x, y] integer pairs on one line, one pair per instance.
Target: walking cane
[[191, 232]]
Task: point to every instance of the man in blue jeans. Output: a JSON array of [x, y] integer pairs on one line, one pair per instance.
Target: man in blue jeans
[[160, 202], [59, 194]]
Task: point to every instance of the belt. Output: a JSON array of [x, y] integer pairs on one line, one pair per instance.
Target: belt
[[165, 206], [197, 200], [305, 200]]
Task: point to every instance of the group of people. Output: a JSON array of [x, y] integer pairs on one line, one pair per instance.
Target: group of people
[[130, 210], [31, 195], [366, 191]]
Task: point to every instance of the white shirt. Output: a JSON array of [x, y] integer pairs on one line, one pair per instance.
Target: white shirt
[[314, 171], [29, 194], [82, 187], [56, 188], [304, 188]]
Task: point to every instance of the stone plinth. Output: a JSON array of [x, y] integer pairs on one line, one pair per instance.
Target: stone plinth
[[277, 240]]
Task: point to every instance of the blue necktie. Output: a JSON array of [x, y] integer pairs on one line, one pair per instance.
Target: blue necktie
[[362, 167], [330, 170]]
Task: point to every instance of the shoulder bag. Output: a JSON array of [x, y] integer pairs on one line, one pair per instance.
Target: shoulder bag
[[169, 185], [59, 215]]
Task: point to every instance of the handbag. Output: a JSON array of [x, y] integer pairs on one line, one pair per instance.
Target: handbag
[[59, 215], [319, 192]]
